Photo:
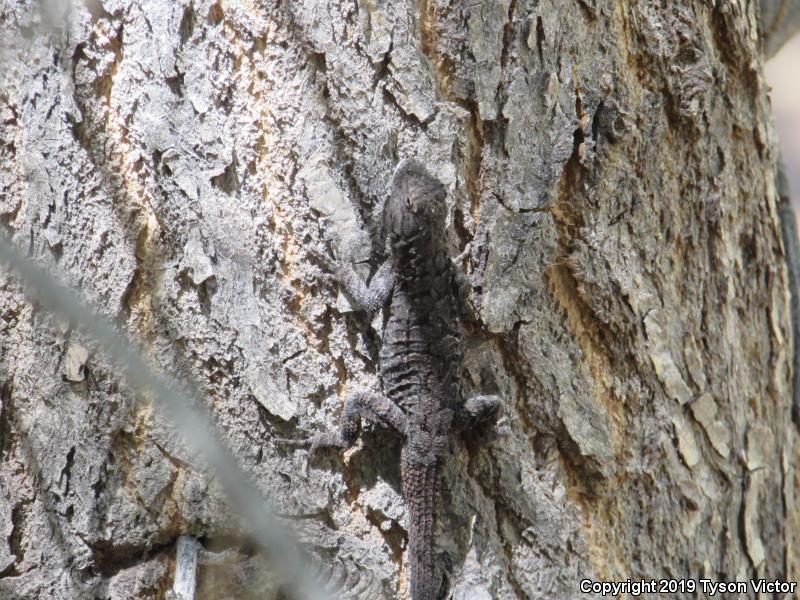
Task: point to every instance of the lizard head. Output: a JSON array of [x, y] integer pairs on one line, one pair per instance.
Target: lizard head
[[416, 204]]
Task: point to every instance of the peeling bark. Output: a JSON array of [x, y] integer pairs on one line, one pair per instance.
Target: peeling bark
[[610, 169]]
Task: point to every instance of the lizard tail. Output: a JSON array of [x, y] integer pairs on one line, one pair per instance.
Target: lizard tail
[[420, 483]]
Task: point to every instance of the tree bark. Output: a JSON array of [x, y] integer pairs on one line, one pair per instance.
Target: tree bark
[[610, 169]]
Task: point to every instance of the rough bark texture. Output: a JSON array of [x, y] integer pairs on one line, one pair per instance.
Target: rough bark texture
[[612, 165]]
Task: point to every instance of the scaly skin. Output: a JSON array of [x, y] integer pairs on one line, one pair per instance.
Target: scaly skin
[[419, 359]]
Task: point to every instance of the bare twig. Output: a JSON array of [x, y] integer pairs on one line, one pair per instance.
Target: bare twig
[[273, 537]]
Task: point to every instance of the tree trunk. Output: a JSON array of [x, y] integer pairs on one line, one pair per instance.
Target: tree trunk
[[610, 169]]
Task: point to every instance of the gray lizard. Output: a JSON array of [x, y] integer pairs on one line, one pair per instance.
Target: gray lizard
[[419, 288]]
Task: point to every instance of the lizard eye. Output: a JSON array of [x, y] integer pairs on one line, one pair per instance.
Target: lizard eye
[[408, 202]]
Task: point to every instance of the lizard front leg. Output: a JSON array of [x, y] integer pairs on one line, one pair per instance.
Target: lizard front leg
[[359, 406], [367, 297]]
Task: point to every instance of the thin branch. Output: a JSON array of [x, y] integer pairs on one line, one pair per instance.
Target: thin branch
[[274, 538]]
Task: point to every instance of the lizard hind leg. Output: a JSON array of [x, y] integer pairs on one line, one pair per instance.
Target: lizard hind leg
[[360, 406]]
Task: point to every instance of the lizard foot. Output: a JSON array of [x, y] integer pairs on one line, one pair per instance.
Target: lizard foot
[[314, 443]]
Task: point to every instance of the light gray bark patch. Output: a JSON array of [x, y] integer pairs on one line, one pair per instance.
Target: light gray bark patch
[[144, 580], [270, 394], [586, 423], [486, 23], [523, 244], [385, 502], [687, 444], [412, 84], [535, 162], [694, 362], [704, 410], [377, 28], [659, 347], [198, 257], [74, 363], [760, 447]]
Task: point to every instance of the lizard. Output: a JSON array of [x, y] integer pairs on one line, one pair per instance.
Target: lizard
[[419, 288]]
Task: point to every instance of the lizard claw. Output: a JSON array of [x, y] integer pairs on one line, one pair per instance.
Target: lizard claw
[[292, 443], [328, 264], [311, 442], [326, 440], [330, 268], [314, 443]]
